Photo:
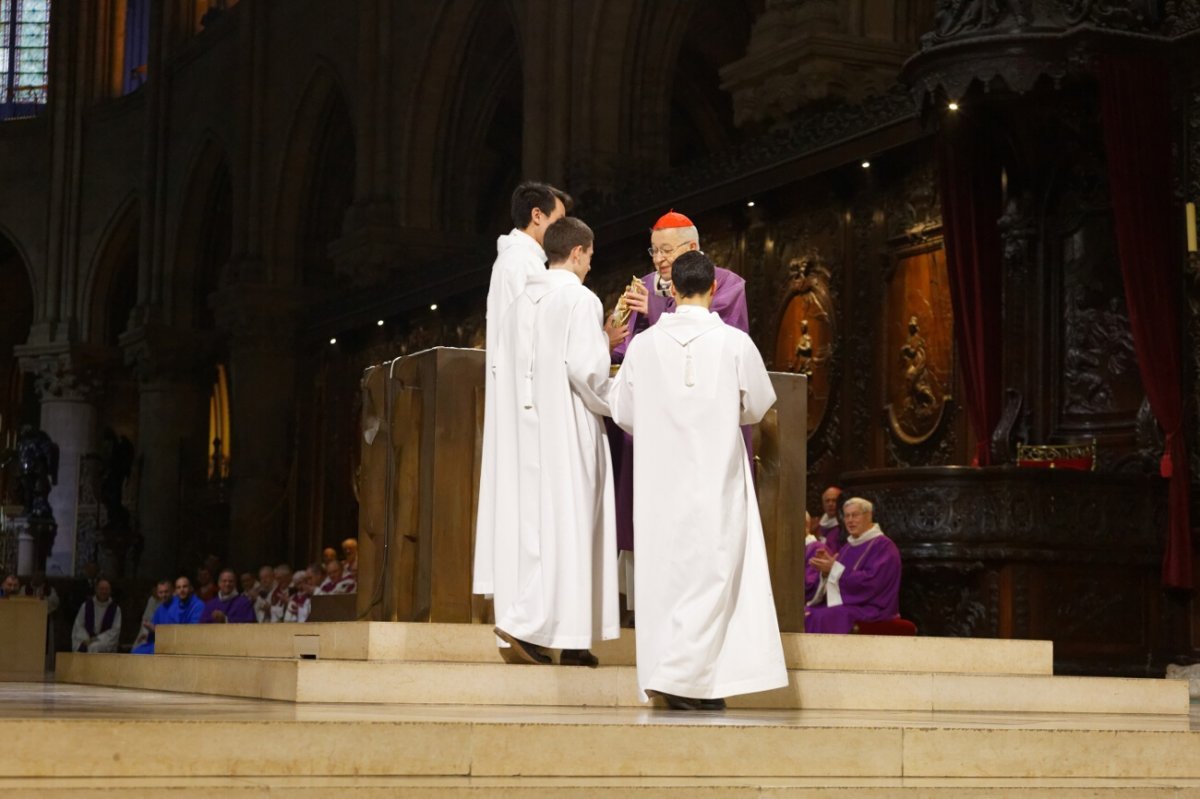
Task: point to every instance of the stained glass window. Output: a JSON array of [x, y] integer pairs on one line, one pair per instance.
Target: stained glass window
[[24, 56]]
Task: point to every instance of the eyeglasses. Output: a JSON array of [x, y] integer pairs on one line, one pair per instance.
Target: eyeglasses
[[665, 252]]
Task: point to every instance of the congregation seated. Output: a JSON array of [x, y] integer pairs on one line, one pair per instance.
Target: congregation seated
[[300, 604], [206, 589], [11, 587], [829, 526], [162, 592], [263, 589], [228, 606], [98, 622], [183, 608], [861, 582], [278, 599], [336, 581]]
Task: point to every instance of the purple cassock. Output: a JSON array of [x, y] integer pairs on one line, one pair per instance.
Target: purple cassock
[[237, 610], [870, 588], [812, 577], [729, 303], [833, 537]]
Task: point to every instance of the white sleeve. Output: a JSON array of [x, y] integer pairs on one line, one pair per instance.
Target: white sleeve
[[758, 395], [78, 633], [587, 356], [621, 395], [832, 587]]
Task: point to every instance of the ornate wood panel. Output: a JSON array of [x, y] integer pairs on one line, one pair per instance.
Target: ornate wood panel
[[918, 345]]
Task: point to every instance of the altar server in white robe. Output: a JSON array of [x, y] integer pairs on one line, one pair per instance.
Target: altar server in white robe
[[519, 255], [706, 624], [555, 546]]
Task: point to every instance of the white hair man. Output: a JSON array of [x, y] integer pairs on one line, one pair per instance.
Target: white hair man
[[859, 583]]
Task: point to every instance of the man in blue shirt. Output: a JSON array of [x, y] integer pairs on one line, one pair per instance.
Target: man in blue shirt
[[183, 608]]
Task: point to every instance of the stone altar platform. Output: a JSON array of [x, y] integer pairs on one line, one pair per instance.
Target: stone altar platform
[[429, 710]]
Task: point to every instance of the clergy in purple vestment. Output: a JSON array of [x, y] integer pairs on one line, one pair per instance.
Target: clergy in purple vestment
[[229, 605], [861, 582], [829, 526], [672, 235]]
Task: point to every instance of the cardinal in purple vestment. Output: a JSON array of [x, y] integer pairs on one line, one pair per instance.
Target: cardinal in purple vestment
[[672, 235], [229, 605], [861, 582]]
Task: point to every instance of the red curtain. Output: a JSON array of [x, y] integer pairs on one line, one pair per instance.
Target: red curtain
[[1135, 104], [969, 178]]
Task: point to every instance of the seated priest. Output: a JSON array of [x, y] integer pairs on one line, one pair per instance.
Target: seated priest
[[162, 593], [98, 622], [228, 606], [861, 582], [829, 527], [350, 556], [183, 608], [336, 580], [300, 604]]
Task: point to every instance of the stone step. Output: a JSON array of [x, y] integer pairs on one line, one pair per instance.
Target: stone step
[[692, 751], [474, 643], [588, 788], [347, 681]]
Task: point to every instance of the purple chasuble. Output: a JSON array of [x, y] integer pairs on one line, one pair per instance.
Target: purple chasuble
[[834, 539], [812, 577], [89, 620], [237, 610], [870, 588], [729, 303]]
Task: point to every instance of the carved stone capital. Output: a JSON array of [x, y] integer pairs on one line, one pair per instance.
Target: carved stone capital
[[370, 246], [800, 52], [67, 373], [161, 354], [258, 317]]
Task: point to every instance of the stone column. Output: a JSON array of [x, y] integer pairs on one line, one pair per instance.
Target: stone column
[[175, 375], [261, 322], [68, 383]]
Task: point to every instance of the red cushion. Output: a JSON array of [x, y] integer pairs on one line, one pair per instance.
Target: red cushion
[[1079, 464], [896, 626]]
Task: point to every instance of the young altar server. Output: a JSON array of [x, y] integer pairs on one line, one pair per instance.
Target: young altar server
[[706, 625], [555, 578], [519, 256]]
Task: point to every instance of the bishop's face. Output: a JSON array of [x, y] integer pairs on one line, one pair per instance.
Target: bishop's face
[[666, 245], [858, 521], [829, 501]]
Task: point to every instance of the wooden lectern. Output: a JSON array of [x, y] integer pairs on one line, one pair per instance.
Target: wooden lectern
[[22, 639], [418, 488]]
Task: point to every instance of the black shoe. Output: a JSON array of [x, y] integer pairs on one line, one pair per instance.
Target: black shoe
[[525, 651], [711, 704], [676, 702], [578, 657]]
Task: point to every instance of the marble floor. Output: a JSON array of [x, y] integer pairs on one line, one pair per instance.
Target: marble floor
[[51, 701]]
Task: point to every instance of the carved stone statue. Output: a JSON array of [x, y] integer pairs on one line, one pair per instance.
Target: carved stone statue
[[802, 361], [920, 398], [37, 458]]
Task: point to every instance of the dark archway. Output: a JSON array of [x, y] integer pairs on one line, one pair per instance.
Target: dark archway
[[18, 403], [701, 118]]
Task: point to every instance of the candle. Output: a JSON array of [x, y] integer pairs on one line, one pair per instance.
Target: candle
[[1190, 213]]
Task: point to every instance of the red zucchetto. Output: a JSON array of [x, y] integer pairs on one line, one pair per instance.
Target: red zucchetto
[[672, 219]]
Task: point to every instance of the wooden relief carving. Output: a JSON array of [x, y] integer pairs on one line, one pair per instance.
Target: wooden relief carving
[[805, 335], [918, 341]]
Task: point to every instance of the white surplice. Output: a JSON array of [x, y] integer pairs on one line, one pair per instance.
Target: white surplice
[[555, 556], [518, 257], [706, 624], [105, 641]]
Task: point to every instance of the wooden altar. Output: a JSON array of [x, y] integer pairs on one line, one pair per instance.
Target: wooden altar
[[418, 488], [1069, 556]]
